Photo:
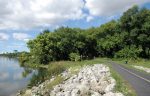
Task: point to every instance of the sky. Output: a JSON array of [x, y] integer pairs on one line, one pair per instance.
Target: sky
[[23, 20]]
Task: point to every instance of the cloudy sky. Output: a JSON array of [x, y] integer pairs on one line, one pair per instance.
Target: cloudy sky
[[22, 20]]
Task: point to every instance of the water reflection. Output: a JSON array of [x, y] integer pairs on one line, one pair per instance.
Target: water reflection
[[12, 76], [38, 77]]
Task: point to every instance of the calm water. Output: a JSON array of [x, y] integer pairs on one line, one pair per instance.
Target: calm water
[[11, 77]]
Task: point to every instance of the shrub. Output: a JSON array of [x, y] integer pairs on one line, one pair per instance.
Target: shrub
[[74, 57], [24, 57], [131, 52]]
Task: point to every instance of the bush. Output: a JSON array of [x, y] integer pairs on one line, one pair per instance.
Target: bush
[[74, 57], [24, 58], [131, 52]]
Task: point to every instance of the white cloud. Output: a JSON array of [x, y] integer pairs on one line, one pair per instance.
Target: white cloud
[[37, 13], [110, 7], [48, 13], [26, 40], [21, 36], [89, 18], [4, 36]]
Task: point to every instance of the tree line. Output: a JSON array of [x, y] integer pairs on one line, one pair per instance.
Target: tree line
[[13, 54], [127, 37]]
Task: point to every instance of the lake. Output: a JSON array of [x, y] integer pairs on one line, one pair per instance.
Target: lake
[[11, 77]]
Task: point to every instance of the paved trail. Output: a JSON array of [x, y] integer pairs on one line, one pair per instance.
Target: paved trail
[[138, 80]]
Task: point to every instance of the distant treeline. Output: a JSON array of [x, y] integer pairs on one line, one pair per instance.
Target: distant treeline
[[14, 54], [10, 55], [128, 37]]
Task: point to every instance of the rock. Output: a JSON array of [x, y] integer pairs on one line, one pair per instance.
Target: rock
[[111, 86], [95, 94], [113, 94], [65, 74], [94, 80], [143, 68], [75, 92], [41, 90]]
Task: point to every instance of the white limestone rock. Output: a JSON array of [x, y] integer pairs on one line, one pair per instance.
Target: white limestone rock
[[90, 81], [143, 68]]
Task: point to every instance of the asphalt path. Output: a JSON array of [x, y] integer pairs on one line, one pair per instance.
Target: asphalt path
[[140, 81]]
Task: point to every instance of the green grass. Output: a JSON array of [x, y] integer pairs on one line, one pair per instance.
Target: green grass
[[56, 68], [138, 62], [56, 81], [131, 63]]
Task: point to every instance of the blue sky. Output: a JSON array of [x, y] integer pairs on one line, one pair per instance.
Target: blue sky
[[22, 20]]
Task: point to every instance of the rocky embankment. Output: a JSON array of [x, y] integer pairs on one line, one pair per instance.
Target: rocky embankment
[[93, 80], [142, 68]]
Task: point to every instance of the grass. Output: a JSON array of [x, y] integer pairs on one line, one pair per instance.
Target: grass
[[138, 62], [56, 81], [131, 63]]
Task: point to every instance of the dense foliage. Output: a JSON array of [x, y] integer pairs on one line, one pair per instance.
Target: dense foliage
[[128, 37]]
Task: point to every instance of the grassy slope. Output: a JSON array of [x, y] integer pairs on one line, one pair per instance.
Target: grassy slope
[[121, 86]]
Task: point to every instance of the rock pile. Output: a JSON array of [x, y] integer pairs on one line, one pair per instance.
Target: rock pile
[[143, 68], [39, 90], [90, 81]]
